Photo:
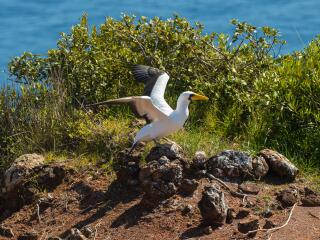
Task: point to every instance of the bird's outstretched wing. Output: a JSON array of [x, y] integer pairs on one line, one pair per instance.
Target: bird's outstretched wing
[[155, 82], [142, 106]]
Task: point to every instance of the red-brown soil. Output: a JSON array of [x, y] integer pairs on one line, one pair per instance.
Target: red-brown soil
[[116, 211]]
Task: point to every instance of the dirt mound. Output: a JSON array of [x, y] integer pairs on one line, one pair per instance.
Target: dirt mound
[[94, 204]]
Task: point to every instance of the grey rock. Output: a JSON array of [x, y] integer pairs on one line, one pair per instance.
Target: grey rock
[[187, 209], [267, 213], [199, 159], [171, 151], [212, 205], [279, 164], [207, 230], [19, 170], [236, 164], [161, 179], [260, 167]]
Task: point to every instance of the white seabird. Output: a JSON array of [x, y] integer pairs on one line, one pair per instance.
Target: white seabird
[[161, 119]]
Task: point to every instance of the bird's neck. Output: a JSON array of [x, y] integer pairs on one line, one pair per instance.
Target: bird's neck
[[183, 107]]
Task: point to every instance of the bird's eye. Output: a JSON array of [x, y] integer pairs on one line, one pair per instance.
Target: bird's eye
[[190, 97]]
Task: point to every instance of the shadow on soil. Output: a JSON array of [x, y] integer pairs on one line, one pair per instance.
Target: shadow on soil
[[103, 202]]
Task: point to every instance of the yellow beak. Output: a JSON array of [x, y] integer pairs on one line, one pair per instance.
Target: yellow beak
[[199, 97]]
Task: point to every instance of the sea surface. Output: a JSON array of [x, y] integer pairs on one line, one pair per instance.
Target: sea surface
[[35, 25]]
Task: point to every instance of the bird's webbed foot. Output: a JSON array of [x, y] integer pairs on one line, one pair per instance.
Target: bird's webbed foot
[[172, 142]]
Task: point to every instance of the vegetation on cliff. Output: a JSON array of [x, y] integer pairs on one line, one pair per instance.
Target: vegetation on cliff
[[258, 98]]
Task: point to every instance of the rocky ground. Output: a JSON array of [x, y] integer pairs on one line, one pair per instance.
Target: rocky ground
[[232, 195]]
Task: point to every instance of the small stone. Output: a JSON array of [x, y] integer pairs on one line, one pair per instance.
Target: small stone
[[267, 213], [207, 230], [251, 225], [212, 205], [188, 186], [171, 151], [6, 232], [288, 197], [249, 188], [243, 213], [199, 160], [201, 173], [311, 200], [88, 232], [269, 224], [231, 214], [187, 209], [163, 160]]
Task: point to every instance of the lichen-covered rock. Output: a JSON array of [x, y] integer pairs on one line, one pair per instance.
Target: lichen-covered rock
[[279, 164], [160, 179], [212, 205], [236, 164], [199, 160], [27, 179], [172, 151], [260, 167], [19, 170]]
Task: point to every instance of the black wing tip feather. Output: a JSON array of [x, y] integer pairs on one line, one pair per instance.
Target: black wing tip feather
[[143, 73]]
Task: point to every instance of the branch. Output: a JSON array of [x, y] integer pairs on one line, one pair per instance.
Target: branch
[[235, 193], [276, 228]]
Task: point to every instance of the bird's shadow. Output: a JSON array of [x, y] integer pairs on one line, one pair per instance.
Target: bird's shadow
[[195, 232], [103, 201], [133, 215]]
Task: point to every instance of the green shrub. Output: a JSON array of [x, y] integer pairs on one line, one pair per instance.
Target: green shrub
[[255, 96]]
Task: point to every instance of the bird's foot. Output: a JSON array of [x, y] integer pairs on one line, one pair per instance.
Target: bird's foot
[[172, 142]]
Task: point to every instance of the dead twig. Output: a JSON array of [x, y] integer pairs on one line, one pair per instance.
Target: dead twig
[[275, 228], [313, 215], [234, 193], [38, 212]]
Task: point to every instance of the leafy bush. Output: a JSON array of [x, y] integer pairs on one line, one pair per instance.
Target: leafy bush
[[255, 96]]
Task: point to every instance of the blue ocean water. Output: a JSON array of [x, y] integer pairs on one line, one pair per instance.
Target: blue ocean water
[[35, 25]]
